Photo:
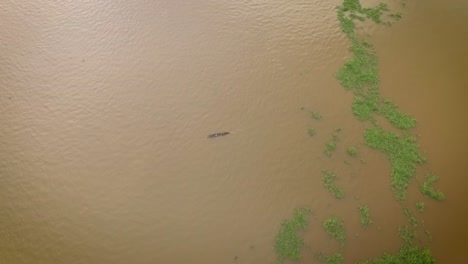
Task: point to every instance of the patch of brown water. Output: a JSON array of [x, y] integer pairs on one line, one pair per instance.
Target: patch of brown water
[[105, 112]]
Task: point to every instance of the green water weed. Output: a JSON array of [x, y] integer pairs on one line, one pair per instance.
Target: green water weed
[[406, 255], [311, 132], [427, 190], [403, 153], [288, 244], [364, 213], [420, 206], [335, 228], [328, 179], [352, 151]]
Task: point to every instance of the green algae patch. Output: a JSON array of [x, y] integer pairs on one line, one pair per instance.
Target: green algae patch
[[427, 190], [403, 153], [328, 179], [335, 228], [288, 244], [406, 255]]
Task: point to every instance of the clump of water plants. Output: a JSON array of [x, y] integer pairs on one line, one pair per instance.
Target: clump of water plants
[[406, 255], [330, 146], [413, 221], [288, 244], [395, 116], [403, 153], [352, 151], [397, 16], [352, 10], [334, 227], [420, 206], [427, 190], [336, 258], [407, 234], [360, 75], [364, 212], [311, 132], [361, 72], [315, 115], [328, 179]]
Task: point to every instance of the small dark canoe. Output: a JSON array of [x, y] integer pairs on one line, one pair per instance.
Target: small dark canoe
[[220, 134]]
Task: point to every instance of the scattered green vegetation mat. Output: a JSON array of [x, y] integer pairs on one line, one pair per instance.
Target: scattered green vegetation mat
[[328, 179], [413, 221], [360, 75], [427, 190], [406, 255], [288, 244], [403, 153], [364, 212], [335, 228], [407, 234]]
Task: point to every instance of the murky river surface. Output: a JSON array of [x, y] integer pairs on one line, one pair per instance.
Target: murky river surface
[[106, 107]]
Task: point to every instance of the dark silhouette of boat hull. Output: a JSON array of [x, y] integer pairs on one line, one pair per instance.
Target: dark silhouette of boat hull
[[220, 134]]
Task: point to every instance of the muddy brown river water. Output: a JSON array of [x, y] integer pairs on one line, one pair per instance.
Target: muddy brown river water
[[106, 107]]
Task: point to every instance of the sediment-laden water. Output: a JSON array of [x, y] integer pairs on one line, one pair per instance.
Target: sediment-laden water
[[106, 108]]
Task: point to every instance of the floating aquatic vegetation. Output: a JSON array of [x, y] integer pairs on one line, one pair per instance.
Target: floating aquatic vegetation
[[352, 151], [413, 221], [420, 206], [365, 216], [334, 227], [406, 255], [288, 244], [407, 234], [336, 258], [311, 132], [315, 115], [403, 153], [427, 190], [328, 179]]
